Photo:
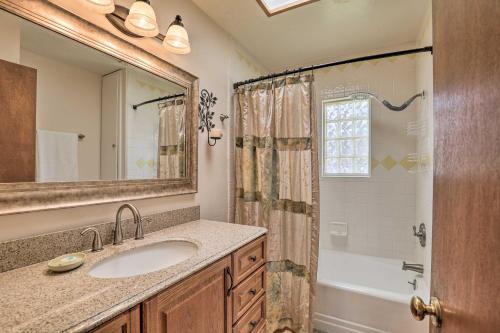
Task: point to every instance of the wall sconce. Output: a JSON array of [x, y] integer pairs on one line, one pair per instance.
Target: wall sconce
[[140, 21], [207, 101]]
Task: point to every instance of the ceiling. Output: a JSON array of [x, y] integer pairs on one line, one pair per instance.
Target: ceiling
[[57, 47], [321, 31]]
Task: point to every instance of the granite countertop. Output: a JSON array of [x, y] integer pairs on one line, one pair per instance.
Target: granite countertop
[[34, 299]]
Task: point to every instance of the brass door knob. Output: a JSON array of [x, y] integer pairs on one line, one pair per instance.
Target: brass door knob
[[419, 310]]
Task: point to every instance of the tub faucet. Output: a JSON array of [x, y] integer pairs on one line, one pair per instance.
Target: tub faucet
[[118, 234], [419, 268]]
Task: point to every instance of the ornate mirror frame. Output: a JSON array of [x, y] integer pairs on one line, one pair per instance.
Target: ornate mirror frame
[[28, 197]]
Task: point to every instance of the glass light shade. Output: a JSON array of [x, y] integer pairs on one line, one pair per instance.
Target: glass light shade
[[177, 39], [141, 20], [101, 6], [176, 50]]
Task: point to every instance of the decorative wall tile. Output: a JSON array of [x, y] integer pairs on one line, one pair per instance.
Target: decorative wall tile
[[151, 163], [388, 162], [407, 164], [140, 163]]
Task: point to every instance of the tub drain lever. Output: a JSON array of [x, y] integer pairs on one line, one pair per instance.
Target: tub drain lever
[[414, 284]]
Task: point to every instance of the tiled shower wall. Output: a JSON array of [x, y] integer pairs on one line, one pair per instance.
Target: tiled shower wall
[[425, 147], [379, 210], [143, 125]]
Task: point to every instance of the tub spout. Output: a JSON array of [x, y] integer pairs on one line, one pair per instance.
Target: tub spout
[[419, 268]]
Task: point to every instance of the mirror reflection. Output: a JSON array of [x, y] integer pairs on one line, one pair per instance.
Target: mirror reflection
[[71, 113]]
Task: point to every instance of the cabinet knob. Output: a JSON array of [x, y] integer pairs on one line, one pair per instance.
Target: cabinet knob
[[253, 258], [253, 323], [253, 291]]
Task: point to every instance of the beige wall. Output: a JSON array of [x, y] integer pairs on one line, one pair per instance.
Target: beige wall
[[379, 210], [425, 146], [69, 100], [10, 37], [217, 61]]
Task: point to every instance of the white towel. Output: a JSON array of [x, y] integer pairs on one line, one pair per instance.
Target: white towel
[[57, 156]]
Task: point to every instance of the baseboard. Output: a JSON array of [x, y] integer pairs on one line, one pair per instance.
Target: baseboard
[[330, 324]]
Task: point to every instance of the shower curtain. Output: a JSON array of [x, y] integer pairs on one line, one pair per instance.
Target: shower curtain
[[277, 187], [171, 147]]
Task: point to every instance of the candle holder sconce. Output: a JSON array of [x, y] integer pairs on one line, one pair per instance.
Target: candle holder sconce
[[207, 101]]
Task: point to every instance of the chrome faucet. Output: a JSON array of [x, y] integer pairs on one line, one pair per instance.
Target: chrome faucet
[[419, 268], [118, 234]]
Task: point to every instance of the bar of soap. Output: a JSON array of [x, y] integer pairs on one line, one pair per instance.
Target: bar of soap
[[66, 262]]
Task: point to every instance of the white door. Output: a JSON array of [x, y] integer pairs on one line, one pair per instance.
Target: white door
[[112, 104]]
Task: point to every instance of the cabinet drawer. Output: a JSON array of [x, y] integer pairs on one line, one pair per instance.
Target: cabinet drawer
[[128, 322], [247, 259], [247, 292], [254, 320]]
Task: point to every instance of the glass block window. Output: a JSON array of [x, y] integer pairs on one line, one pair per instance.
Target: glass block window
[[346, 138]]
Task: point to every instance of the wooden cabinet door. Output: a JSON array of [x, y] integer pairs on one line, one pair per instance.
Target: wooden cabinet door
[[128, 322], [199, 304]]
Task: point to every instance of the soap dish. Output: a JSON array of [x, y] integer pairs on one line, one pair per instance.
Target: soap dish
[[66, 262]]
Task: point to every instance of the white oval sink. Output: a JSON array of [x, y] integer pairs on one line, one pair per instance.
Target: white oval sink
[[144, 259]]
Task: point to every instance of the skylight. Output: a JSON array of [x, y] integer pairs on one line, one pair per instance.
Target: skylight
[[273, 7]]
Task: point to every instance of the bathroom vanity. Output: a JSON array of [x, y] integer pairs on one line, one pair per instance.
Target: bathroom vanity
[[221, 288], [226, 296]]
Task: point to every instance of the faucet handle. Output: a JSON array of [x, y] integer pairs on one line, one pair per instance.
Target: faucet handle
[[97, 241], [139, 231], [420, 234]]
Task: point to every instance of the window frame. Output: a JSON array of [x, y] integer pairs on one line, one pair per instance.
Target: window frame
[[282, 9], [323, 140]]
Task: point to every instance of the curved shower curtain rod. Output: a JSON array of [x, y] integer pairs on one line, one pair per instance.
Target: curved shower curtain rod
[[331, 64], [365, 95], [160, 99]]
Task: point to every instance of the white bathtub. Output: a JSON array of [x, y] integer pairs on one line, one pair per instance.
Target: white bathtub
[[358, 293]]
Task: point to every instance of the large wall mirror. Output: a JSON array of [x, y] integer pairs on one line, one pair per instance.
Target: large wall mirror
[[102, 126]]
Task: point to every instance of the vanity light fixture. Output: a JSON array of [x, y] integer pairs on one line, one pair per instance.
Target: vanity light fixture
[[177, 39], [101, 6], [141, 19]]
